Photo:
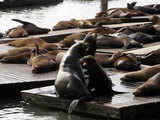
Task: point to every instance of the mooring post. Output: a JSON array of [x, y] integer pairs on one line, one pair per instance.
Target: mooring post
[[104, 5]]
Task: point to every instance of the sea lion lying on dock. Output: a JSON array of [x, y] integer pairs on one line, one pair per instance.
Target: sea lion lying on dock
[[31, 43], [144, 9], [150, 87], [18, 55], [151, 58], [73, 23], [145, 28], [120, 13], [70, 82], [144, 38], [26, 29], [70, 39], [41, 62], [107, 41], [127, 62], [141, 75]]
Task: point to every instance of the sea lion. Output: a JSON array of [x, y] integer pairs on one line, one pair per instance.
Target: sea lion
[[29, 28], [17, 32], [144, 9], [70, 39], [99, 82], [141, 75], [70, 82], [151, 58], [145, 28], [41, 62], [18, 55], [73, 23], [30, 42], [127, 62], [107, 41], [144, 38], [120, 13], [150, 87]]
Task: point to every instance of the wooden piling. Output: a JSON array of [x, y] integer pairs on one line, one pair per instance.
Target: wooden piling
[[104, 5]]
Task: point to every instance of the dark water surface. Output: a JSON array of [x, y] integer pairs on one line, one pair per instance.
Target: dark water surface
[[47, 16]]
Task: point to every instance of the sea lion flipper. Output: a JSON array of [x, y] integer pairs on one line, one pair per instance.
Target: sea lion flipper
[[73, 105], [22, 22]]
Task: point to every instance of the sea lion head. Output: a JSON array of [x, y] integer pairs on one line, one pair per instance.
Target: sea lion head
[[90, 41], [131, 5], [127, 62], [155, 19]]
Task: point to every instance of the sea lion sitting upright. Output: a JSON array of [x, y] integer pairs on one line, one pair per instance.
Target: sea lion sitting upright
[[150, 87], [141, 75], [30, 28], [70, 82], [99, 83]]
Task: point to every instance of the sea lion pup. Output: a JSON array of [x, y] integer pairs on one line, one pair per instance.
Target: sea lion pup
[[70, 81], [107, 41], [31, 43], [144, 38], [150, 87], [99, 83], [145, 9], [41, 62], [70, 39], [151, 58], [30, 28], [141, 75], [127, 62]]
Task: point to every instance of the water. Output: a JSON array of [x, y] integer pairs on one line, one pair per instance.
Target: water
[[47, 16]]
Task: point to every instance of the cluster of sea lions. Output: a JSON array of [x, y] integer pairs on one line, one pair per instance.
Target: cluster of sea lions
[[80, 74]]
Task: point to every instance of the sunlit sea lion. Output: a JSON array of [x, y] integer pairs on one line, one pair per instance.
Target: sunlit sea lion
[[141, 75], [29, 28], [31, 43], [150, 87]]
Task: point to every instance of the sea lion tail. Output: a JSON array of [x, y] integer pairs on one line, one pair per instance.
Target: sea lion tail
[[22, 22]]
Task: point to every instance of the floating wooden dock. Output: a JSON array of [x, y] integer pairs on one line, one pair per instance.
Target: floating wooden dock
[[121, 106], [56, 36]]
